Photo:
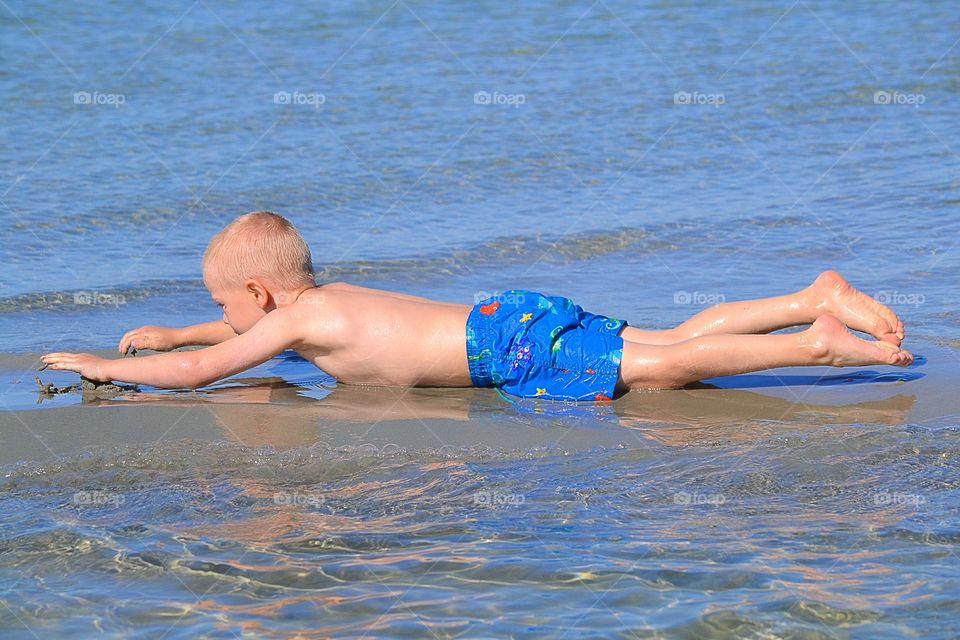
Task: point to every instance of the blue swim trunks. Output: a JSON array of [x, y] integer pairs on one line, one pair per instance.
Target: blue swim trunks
[[532, 345]]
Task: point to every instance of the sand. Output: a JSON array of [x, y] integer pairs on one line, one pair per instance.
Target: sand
[[268, 411]]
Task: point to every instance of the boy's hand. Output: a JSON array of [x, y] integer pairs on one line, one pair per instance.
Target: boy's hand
[[149, 337], [86, 364]]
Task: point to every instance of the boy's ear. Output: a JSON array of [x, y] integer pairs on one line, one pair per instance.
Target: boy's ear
[[260, 294]]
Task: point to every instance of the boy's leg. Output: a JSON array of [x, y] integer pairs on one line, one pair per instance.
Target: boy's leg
[[830, 293], [827, 342]]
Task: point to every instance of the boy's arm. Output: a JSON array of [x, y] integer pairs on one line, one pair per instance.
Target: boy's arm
[[273, 334], [206, 334], [169, 338]]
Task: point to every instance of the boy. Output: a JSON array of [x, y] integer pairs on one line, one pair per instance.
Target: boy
[[259, 271]]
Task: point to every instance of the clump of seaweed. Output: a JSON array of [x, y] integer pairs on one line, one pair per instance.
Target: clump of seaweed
[[89, 389]]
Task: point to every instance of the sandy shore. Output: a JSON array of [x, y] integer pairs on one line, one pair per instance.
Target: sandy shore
[[259, 410]]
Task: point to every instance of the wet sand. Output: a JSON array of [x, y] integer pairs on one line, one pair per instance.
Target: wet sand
[[270, 411]]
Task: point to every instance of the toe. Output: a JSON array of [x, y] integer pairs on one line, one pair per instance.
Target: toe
[[901, 358], [891, 338], [888, 353], [880, 327]]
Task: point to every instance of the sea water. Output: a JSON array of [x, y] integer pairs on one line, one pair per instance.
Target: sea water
[[646, 160]]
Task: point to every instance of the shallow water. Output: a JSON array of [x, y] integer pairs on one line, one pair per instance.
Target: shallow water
[[793, 505], [846, 531]]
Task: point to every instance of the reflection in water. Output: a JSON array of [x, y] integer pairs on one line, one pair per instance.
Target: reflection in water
[[691, 415], [239, 537], [274, 412], [800, 510], [861, 376]]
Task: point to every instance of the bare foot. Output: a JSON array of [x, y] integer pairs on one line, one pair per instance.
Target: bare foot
[[838, 347], [831, 293]]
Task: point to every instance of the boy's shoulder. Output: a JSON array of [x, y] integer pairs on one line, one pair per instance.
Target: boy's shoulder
[[333, 296], [343, 286], [378, 295]]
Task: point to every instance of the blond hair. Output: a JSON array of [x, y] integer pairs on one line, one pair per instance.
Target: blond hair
[[263, 245]]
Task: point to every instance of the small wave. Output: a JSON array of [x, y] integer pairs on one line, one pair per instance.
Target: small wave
[[501, 251], [183, 459]]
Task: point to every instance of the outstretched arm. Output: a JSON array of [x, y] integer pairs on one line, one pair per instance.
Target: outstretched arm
[[274, 333], [169, 338], [207, 333]]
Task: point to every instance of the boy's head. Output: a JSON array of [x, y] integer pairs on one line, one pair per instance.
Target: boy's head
[[251, 262]]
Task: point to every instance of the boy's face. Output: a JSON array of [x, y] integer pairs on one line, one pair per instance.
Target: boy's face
[[240, 311], [240, 308]]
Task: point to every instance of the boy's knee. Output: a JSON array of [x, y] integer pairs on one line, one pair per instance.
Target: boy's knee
[[654, 375], [686, 331], [677, 334]]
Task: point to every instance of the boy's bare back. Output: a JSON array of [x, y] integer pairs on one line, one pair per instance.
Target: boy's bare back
[[369, 336]]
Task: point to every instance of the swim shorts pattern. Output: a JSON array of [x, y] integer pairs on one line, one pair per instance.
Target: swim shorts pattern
[[532, 345]]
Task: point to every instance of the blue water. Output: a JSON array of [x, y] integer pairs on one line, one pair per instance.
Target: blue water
[[583, 177]]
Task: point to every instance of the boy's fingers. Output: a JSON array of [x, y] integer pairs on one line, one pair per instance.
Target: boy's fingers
[[52, 358], [125, 340]]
